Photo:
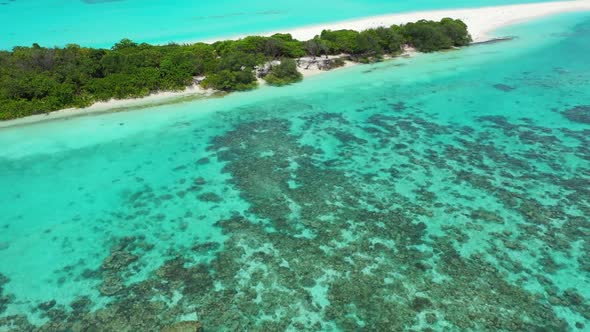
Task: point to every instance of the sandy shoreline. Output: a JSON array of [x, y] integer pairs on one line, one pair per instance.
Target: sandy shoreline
[[158, 98], [481, 23]]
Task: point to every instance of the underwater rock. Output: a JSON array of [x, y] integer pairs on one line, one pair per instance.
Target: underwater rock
[[579, 114], [400, 106], [483, 214], [172, 269], [179, 168], [81, 304], [47, 305], [203, 161], [421, 303], [422, 266], [554, 300], [504, 87], [431, 318], [4, 299], [199, 181], [513, 245], [124, 242], [118, 260], [206, 247], [573, 297], [166, 197], [91, 274], [111, 286], [210, 197], [3, 281], [186, 326], [4, 245], [493, 41]]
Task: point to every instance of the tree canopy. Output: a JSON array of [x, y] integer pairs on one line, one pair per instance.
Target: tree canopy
[[284, 73], [37, 79], [430, 36]]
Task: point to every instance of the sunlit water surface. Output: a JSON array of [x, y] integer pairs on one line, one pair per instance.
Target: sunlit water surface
[[101, 23], [447, 191]]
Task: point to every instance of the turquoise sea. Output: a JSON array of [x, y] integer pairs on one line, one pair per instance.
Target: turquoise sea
[[101, 23], [446, 192]]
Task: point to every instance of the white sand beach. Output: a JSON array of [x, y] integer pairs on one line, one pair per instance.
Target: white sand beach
[[481, 23], [113, 105]]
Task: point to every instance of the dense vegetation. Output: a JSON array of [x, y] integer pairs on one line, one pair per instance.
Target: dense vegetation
[[37, 80], [428, 36], [284, 73]]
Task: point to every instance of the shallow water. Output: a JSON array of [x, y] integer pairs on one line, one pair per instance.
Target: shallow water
[[448, 191], [101, 23]]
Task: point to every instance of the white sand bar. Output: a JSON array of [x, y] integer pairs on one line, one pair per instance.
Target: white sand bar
[[480, 21]]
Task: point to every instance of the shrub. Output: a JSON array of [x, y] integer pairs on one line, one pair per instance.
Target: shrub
[[284, 73]]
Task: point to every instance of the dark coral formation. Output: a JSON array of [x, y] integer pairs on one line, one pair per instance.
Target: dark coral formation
[[579, 114], [115, 265], [504, 87], [4, 298], [353, 222], [184, 326]]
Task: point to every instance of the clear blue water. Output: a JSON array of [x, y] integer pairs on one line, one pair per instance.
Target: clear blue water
[[448, 191], [102, 23]]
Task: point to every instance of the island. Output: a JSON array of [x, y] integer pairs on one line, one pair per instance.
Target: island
[[38, 80]]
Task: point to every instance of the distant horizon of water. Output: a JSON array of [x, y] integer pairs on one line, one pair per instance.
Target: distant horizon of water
[[101, 23], [444, 191]]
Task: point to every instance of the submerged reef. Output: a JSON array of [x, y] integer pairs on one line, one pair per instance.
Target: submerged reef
[[578, 114], [343, 240], [4, 299]]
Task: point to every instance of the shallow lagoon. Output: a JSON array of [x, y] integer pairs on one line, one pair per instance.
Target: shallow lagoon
[[448, 191], [101, 23]]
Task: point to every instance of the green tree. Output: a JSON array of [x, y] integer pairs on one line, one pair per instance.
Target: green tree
[[390, 40], [340, 41], [178, 68], [37, 79], [315, 47], [124, 44], [284, 73], [457, 31], [367, 44], [227, 80], [427, 36]]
